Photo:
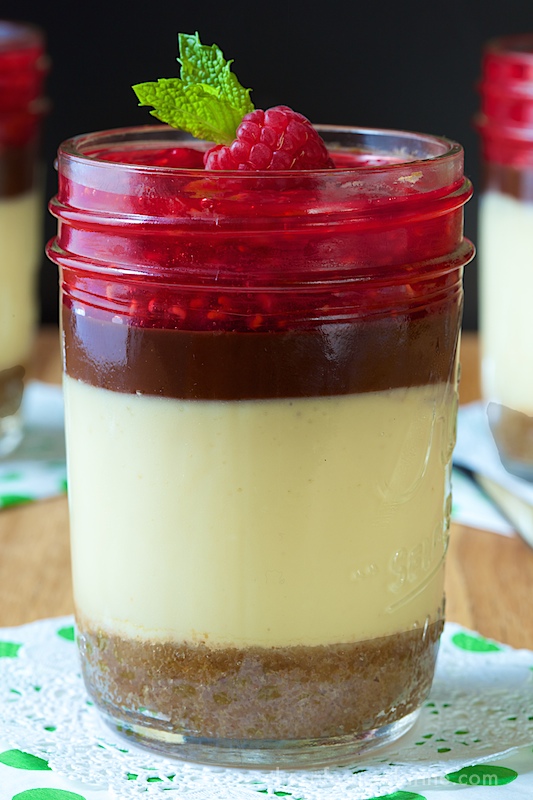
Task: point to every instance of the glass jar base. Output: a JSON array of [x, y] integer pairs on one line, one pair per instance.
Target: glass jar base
[[263, 754], [11, 433]]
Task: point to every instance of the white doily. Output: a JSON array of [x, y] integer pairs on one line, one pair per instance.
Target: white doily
[[481, 706]]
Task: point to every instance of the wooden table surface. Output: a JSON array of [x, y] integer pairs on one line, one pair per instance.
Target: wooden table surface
[[489, 577]]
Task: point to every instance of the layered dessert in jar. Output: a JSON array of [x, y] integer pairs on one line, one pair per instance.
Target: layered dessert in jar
[[22, 70], [260, 393], [506, 253], [260, 424], [506, 247]]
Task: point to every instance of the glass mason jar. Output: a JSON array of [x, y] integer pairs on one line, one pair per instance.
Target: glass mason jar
[[260, 388], [506, 247], [23, 66]]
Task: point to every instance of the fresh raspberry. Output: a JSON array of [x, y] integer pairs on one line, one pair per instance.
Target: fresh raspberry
[[276, 139]]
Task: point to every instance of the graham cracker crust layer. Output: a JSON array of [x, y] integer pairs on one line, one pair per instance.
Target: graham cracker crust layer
[[285, 693]]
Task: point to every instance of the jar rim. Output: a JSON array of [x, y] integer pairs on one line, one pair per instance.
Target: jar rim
[[444, 150]]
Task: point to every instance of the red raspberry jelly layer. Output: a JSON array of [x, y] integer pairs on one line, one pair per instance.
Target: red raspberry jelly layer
[[151, 243]]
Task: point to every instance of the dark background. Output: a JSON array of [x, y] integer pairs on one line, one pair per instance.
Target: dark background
[[408, 64]]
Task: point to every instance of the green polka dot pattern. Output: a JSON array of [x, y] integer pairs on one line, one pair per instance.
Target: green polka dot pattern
[[475, 644], [21, 760], [47, 794], [9, 649], [67, 633], [482, 775], [7, 500]]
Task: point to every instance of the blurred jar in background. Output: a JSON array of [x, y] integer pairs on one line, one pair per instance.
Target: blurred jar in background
[[506, 247], [23, 66]]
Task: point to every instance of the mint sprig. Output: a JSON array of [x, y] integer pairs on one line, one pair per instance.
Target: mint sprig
[[207, 99]]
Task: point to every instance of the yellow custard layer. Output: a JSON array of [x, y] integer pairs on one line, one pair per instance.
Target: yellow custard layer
[[20, 250], [506, 292], [262, 522]]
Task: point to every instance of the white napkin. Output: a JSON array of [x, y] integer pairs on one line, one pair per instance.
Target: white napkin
[[36, 469], [472, 507], [476, 452]]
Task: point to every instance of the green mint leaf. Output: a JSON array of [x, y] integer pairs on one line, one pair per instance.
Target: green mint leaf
[[196, 109], [207, 100], [203, 64]]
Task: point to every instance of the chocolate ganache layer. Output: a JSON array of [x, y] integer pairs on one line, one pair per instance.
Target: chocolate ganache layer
[[332, 359], [17, 169], [516, 182]]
